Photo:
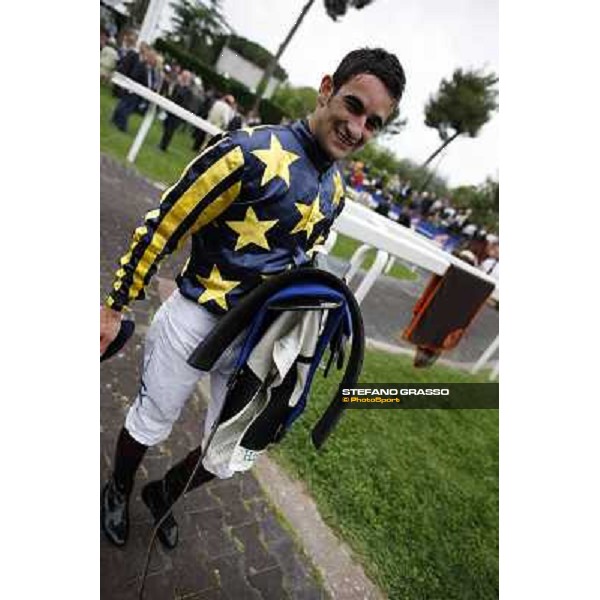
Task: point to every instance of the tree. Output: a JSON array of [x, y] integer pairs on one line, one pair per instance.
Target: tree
[[461, 106], [384, 163], [296, 102], [334, 8], [378, 160], [137, 9], [197, 25], [483, 200]]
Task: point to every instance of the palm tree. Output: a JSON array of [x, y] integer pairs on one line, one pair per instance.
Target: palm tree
[[198, 24], [461, 106], [334, 8]]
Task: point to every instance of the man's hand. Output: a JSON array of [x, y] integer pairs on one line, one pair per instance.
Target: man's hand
[[110, 322]]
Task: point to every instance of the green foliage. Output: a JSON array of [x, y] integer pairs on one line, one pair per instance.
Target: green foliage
[[338, 8], [415, 173], [251, 51], [269, 112], [197, 25], [297, 102], [483, 200], [383, 162], [463, 104], [379, 160], [137, 10]]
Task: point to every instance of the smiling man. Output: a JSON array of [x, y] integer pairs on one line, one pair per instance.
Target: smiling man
[[254, 203]]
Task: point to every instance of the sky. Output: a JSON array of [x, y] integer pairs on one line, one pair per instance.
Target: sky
[[431, 39]]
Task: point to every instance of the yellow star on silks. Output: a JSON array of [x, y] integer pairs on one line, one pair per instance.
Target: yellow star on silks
[[338, 188], [311, 215], [216, 288], [251, 230], [277, 161]]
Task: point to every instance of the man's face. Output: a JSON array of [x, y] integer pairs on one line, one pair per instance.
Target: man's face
[[150, 57], [344, 122], [185, 78]]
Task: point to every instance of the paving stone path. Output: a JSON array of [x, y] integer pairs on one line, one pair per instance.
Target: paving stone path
[[232, 543]]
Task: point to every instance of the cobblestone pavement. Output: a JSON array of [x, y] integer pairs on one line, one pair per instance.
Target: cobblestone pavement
[[232, 543]]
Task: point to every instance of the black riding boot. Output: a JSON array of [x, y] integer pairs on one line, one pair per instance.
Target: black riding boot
[[115, 495], [159, 496]]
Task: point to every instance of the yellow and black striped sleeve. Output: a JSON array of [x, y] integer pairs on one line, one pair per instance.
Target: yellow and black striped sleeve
[[209, 184]]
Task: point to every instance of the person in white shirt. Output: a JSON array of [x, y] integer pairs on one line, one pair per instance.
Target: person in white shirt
[[491, 264], [219, 115], [222, 112]]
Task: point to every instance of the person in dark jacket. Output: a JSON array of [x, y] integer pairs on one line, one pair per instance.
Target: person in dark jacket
[[199, 135], [254, 203], [142, 70], [183, 96]]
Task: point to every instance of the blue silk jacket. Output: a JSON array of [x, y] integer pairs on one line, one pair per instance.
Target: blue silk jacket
[[254, 203]]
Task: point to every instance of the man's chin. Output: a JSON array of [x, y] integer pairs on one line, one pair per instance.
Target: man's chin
[[338, 153]]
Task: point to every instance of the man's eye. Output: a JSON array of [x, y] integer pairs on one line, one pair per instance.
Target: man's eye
[[374, 124], [353, 106]]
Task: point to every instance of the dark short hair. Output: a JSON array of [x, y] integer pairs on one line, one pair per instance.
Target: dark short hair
[[375, 61]]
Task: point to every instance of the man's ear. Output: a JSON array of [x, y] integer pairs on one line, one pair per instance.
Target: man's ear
[[325, 90]]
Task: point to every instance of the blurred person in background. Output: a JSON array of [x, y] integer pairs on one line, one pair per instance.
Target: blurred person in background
[[357, 179], [143, 71], [406, 190], [438, 204], [237, 120], [168, 81], [459, 222], [183, 96], [382, 198], [405, 218], [427, 200], [253, 119], [222, 111], [197, 94], [128, 43], [415, 202], [108, 56], [219, 115], [199, 135], [160, 71], [491, 264], [128, 57], [469, 230], [447, 215]]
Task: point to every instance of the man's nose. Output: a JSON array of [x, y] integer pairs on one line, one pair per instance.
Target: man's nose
[[357, 125]]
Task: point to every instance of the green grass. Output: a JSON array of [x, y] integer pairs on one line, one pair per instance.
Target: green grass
[[414, 492], [150, 162], [167, 167]]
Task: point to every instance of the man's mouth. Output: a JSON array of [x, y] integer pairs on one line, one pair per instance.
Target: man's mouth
[[346, 140]]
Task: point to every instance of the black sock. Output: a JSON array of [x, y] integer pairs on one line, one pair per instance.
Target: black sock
[[178, 476], [128, 456]]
